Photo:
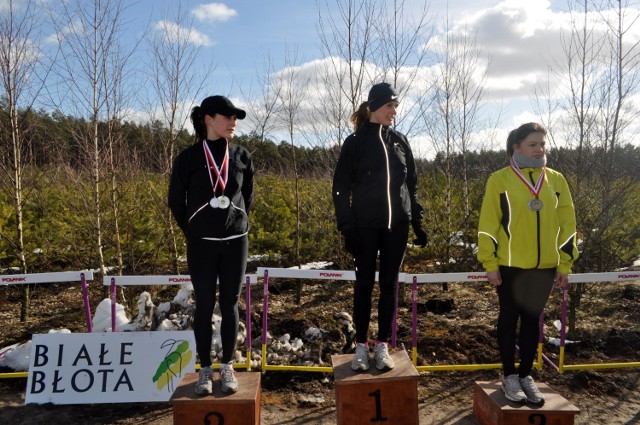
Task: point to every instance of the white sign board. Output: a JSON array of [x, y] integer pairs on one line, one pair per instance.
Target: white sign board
[[109, 367]]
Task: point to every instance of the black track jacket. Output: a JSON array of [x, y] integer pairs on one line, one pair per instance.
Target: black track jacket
[[190, 191], [375, 180]]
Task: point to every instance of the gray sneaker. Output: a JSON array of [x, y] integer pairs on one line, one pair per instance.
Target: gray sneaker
[[228, 381], [512, 389], [383, 359], [361, 358], [204, 386], [534, 396]]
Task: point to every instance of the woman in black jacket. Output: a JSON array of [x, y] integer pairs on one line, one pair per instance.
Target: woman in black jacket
[[374, 194], [210, 195]]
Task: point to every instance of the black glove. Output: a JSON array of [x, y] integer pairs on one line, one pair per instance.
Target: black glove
[[421, 235], [351, 240]]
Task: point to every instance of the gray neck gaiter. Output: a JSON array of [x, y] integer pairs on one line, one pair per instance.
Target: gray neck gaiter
[[527, 162]]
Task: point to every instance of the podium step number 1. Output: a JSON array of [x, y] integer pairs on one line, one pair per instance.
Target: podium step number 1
[[376, 397]]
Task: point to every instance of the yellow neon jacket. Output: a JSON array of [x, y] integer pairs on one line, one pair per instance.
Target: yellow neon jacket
[[511, 234]]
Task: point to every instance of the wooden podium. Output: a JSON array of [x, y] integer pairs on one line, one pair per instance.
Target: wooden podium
[[390, 397], [490, 407], [242, 407]]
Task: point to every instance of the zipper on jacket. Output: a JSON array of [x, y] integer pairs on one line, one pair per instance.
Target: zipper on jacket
[[386, 156], [537, 224]]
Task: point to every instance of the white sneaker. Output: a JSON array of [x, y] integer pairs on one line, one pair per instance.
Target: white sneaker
[[204, 385], [228, 381], [383, 359], [534, 396], [361, 358], [512, 389]]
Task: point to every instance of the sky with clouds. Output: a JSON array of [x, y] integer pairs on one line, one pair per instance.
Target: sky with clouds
[[519, 42]]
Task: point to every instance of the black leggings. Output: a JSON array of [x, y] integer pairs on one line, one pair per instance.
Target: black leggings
[[522, 294], [391, 244], [210, 261]]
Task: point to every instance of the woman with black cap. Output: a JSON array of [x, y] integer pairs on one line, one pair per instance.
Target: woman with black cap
[[210, 195], [374, 194]]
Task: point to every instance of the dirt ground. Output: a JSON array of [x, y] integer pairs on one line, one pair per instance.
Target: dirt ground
[[608, 331]]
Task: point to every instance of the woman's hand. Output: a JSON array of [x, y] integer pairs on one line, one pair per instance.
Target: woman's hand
[[494, 278], [562, 280]]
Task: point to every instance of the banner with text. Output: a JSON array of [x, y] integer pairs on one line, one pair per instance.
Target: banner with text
[[109, 367]]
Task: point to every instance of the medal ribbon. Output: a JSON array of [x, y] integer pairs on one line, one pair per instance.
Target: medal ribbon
[[535, 190], [222, 172]]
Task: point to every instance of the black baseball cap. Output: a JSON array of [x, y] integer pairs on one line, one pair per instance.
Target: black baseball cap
[[221, 105]]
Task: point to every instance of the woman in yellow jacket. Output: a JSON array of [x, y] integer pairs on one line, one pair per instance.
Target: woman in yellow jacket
[[526, 244]]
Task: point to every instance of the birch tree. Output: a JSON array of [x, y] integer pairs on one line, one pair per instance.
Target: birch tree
[[20, 62], [177, 78], [598, 77], [90, 72], [450, 119]]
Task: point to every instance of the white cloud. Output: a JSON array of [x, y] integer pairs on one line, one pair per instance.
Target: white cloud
[[214, 12], [179, 34]]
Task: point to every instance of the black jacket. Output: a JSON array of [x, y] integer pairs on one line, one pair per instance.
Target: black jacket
[[375, 180], [190, 191]]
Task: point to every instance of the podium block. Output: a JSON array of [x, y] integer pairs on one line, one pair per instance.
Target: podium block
[[242, 407], [376, 396], [490, 407]]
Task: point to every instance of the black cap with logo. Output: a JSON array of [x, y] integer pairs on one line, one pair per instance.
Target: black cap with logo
[[221, 105]]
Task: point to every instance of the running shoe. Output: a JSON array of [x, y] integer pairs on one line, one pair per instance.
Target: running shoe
[[361, 358], [383, 359], [204, 385], [228, 381], [512, 389], [534, 396]]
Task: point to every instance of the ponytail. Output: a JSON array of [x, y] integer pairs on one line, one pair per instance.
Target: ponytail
[[197, 119], [361, 116]]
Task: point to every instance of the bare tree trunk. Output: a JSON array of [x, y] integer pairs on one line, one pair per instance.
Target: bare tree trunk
[[19, 75], [456, 95], [291, 98], [175, 76]]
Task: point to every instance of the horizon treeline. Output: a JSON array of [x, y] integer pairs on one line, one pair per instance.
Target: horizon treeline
[[51, 144], [293, 219]]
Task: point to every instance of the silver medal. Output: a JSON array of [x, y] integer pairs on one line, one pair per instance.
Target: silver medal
[[535, 204], [214, 202], [223, 202]]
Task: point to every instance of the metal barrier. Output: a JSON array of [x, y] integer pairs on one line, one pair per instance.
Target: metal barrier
[[456, 278], [114, 281], [53, 277], [305, 274], [588, 278], [414, 279]]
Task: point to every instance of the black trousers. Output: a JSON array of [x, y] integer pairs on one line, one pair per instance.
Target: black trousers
[[522, 295], [210, 262], [391, 245]]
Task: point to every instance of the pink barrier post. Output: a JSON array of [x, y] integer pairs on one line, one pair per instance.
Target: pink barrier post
[[113, 304], [265, 306], [394, 328], [541, 328], [414, 312], [248, 312], [541, 340], [85, 299]]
